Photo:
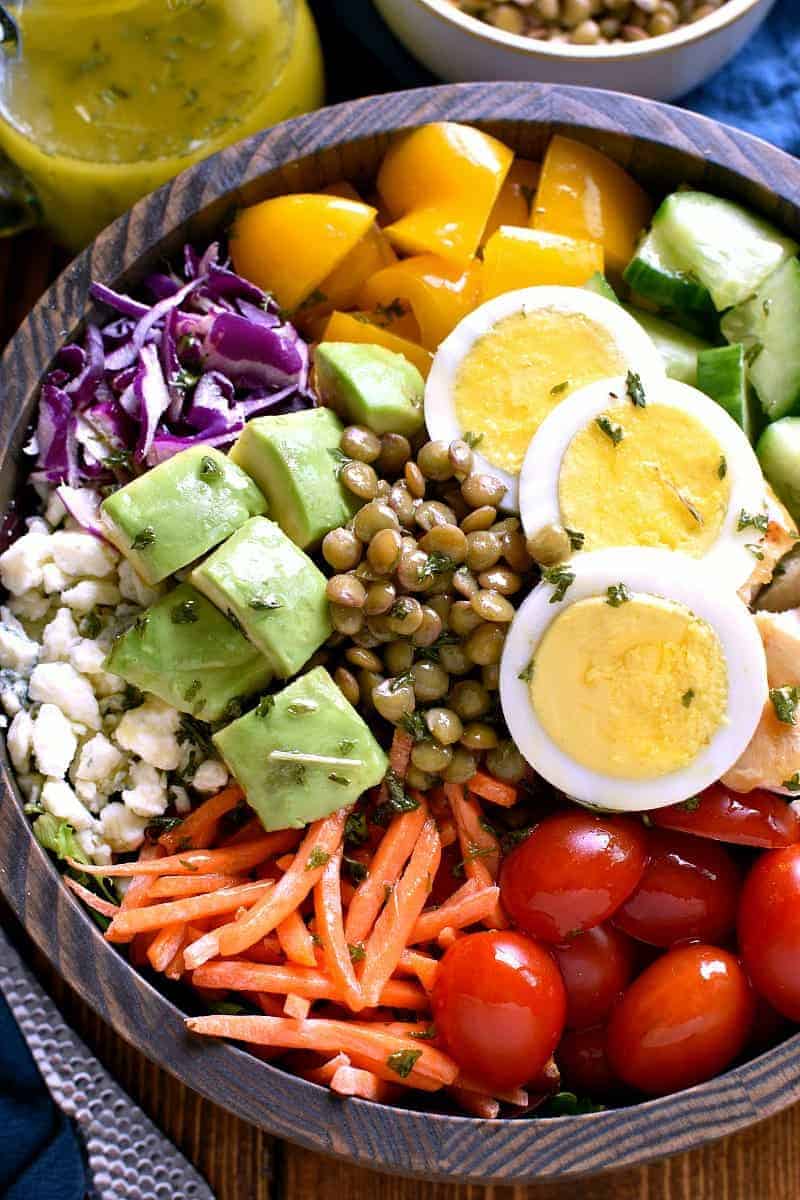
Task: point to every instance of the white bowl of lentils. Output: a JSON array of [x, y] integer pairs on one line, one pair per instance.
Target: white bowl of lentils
[[655, 48]]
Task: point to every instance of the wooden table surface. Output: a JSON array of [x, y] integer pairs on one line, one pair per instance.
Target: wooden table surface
[[242, 1163]]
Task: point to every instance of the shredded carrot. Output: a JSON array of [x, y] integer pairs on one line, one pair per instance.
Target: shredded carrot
[[459, 911], [400, 752], [237, 975], [199, 829], [321, 841], [155, 916], [516, 1096], [447, 832], [421, 965], [295, 940], [138, 890], [246, 833], [174, 886], [479, 847], [138, 949], [202, 862], [284, 862], [362, 1043], [475, 1104], [90, 898], [391, 856], [389, 937], [322, 1074], [174, 969], [297, 1007], [354, 1081], [330, 927], [494, 790], [165, 945], [271, 1006], [447, 937]]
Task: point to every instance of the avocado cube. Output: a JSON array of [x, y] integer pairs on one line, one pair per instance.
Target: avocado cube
[[370, 385], [179, 511], [271, 590], [185, 651], [293, 459], [308, 721]]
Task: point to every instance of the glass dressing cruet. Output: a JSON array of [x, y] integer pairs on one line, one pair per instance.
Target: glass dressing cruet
[[103, 100]]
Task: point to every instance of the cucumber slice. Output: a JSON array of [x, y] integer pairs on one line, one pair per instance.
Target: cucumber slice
[[722, 375], [728, 249], [656, 276], [767, 326], [601, 287], [778, 452], [678, 348]]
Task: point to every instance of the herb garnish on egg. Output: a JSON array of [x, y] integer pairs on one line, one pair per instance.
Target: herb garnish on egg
[[614, 432], [785, 701]]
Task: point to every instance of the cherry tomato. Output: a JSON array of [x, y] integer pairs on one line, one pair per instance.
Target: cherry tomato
[[689, 890], [756, 818], [583, 1061], [573, 872], [596, 968], [499, 1005], [682, 1021], [769, 929]]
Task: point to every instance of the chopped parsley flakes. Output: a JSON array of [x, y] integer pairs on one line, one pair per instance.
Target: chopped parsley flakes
[[785, 701]]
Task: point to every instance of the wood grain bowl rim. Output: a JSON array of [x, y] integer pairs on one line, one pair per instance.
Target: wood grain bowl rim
[[642, 134]]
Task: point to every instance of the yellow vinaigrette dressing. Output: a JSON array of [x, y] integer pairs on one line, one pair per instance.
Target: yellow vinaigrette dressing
[[103, 100]]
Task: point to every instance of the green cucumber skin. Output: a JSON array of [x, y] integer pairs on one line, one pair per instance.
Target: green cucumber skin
[[778, 451], [601, 287], [721, 374], [767, 326], [679, 348], [730, 250]]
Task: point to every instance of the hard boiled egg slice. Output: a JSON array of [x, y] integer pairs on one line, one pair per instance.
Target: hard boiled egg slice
[[508, 364], [631, 680], [672, 471]]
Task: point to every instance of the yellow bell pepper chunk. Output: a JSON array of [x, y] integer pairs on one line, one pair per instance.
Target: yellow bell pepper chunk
[[438, 293], [439, 185], [514, 205], [584, 194], [518, 258], [289, 244], [371, 255], [362, 327]]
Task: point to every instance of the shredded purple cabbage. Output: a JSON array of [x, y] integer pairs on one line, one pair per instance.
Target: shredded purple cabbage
[[209, 351]]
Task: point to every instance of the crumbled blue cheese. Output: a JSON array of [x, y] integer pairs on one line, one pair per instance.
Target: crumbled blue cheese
[[78, 749], [54, 741], [60, 684], [211, 776], [147, 794]]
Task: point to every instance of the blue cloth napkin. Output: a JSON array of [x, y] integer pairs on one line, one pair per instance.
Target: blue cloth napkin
[[40, 1157], [758, 91]]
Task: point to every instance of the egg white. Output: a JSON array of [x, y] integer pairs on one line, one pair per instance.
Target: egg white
[[629, 338], [646, 572], [729, 556]]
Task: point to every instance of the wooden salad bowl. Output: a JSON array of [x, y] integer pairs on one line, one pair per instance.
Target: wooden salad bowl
[[662, 147]]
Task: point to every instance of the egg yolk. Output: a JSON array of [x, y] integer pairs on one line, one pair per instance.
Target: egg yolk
[[633, 692], [655, 477], [517, 372]]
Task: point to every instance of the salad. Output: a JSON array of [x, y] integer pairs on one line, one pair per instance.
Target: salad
[[400, 644]]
